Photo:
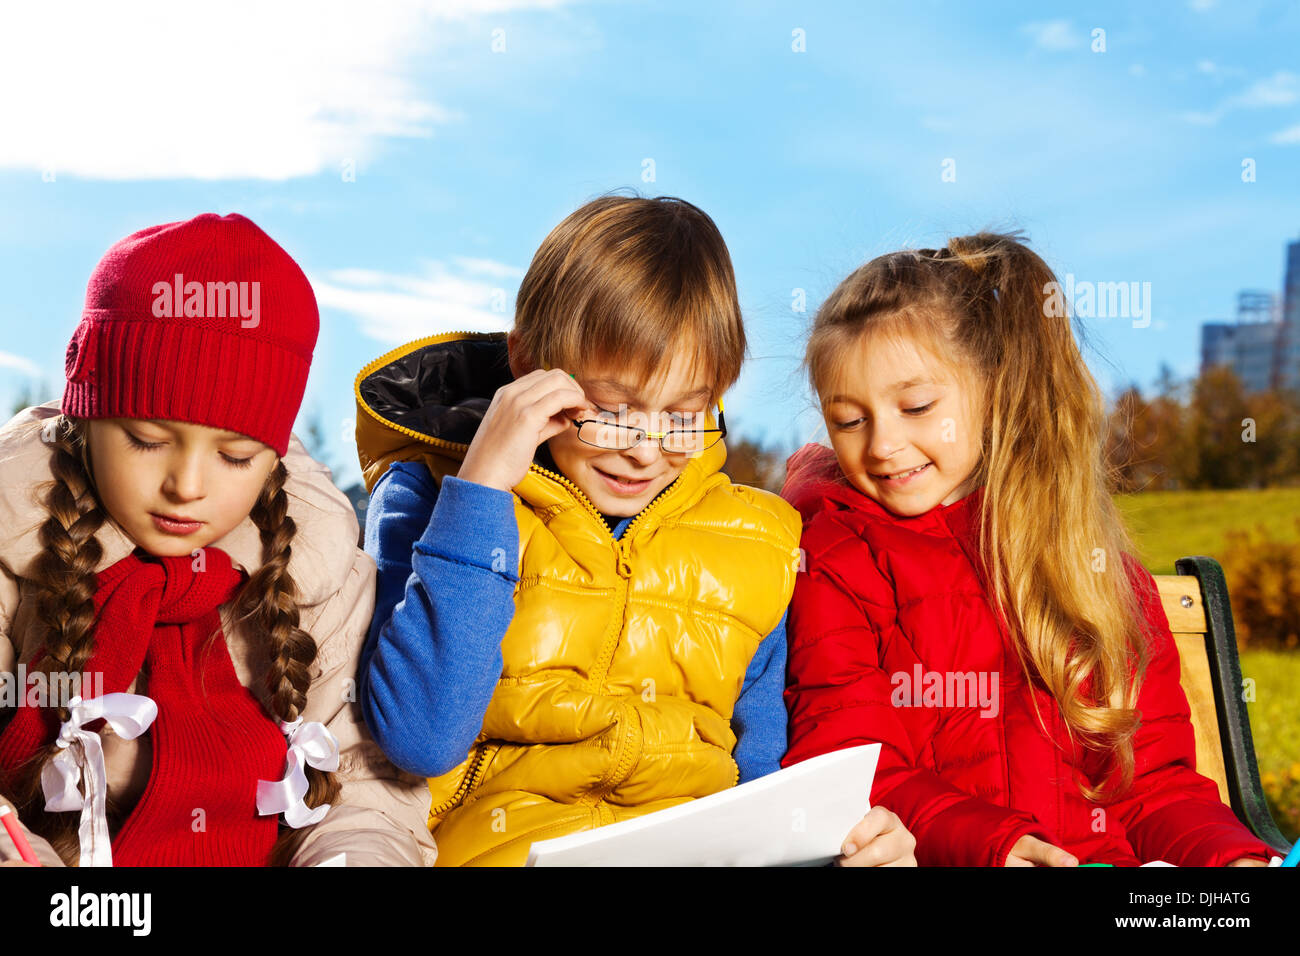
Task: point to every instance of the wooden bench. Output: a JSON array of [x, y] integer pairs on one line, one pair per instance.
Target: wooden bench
[[1196, 602]]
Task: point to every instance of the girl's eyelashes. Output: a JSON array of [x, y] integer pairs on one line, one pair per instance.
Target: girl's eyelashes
[[918, 410], [137, 443], [150, 446]]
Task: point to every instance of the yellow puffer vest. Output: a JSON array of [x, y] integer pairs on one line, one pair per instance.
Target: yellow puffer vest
[[624, 658]]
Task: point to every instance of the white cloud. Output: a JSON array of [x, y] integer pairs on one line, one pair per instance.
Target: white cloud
[[489, 267], [938, 124], [19, 364], [1217, 71], [1286, 137], [398, 308], [1052, 34], [1280, 89], [153, 89], [463, 9]]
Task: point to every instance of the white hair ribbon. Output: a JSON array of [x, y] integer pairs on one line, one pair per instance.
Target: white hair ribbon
[[309, 744], [81, 756]]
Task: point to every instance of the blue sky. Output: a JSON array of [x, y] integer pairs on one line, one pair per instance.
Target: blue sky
[[473, 128]]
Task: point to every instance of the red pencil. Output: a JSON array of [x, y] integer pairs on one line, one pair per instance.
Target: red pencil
[[16, 834]]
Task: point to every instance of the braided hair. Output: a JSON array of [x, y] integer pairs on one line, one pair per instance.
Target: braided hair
[[63, 583]]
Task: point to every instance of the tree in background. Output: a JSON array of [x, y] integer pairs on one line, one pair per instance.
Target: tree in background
[[27, 398], [313, 439], [1275, 454], [1208, 433], [1214, 428], [750, 463], [1132, 444]]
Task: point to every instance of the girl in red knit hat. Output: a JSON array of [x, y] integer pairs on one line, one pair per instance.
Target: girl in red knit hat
[[971, 598], [182, 598]]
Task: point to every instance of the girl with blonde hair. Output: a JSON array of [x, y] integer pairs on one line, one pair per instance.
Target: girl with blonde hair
[[971, 598]]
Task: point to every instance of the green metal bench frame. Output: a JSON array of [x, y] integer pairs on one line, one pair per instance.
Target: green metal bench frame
[[1245, 792]]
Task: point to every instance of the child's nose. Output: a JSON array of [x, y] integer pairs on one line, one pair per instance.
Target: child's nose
[[646, 452], [883, 444], [185, 479]]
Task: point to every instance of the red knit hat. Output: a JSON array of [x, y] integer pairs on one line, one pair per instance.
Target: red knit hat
[[207, 321]]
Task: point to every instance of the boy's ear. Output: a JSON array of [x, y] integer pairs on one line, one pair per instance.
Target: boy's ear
[[519, 365]]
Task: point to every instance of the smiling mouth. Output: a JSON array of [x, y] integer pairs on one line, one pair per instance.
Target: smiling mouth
[[624, 481], [901, 475]]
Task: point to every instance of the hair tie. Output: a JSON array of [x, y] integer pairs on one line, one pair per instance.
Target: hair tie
[[310, 744], [80, 760]]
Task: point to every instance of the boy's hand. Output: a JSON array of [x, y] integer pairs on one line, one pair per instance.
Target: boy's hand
[[523, 414], [1031, 851], [878, 839]]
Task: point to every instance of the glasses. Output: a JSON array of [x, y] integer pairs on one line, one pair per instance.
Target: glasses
[[677, 441]]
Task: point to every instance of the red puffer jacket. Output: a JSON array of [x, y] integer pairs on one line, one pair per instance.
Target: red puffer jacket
[[893, 640]]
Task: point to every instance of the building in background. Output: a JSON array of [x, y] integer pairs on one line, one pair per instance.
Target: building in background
[[1262, 347], [1289, 345]]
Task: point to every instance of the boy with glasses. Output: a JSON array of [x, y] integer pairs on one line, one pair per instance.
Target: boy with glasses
[[579, 618]]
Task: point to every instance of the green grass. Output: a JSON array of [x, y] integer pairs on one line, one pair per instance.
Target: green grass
[[1167, 525], [1275, 725]]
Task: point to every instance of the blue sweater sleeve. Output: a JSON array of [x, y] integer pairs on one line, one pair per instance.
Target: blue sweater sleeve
[[447, 567], [759, 719]]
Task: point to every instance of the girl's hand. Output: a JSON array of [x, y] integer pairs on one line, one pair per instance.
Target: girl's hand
[[878, 839], [522, 415], [1248, 861], [1031, 851], [17, 860]]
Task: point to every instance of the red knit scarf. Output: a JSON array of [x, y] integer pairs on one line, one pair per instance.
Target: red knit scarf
[[211, 741]]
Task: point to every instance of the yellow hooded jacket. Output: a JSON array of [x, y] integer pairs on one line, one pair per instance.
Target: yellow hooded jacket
[[624, 658]]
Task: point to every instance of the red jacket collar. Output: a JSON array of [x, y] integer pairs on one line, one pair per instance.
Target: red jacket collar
[[814, 483]]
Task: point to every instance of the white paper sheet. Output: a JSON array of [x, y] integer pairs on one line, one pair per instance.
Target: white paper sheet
[[1276, 861], [794, 817]]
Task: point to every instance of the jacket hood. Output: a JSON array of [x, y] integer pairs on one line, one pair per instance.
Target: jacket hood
[[324, 546], [425, 400], [814, 483]]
